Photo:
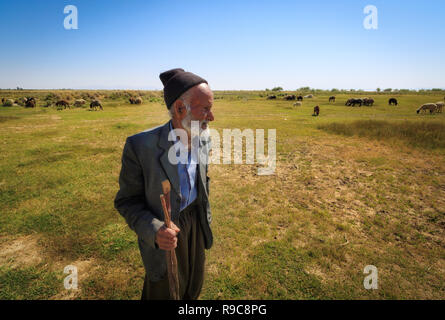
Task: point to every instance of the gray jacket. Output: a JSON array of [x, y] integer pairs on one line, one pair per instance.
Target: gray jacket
[[145, 165]]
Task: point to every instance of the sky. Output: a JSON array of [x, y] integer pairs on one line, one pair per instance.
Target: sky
[[235, 45]]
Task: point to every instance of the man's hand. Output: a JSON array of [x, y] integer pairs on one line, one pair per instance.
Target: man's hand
[[166, 237]]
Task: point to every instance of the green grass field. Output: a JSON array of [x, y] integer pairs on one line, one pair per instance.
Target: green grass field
[[353, 187]]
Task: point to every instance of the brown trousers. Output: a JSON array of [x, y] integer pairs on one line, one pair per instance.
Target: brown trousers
[[191, 258]]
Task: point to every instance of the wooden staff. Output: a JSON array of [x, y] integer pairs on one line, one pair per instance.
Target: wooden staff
[[172, 263]]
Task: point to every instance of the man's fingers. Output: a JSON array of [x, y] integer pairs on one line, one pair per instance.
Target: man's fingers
[[167, 245], [174, 227], [171, 232], [166, 237]]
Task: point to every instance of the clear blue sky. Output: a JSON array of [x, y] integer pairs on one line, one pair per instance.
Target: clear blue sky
[[239, 44]]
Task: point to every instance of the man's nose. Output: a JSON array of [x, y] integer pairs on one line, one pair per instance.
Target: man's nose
[[210, 116]]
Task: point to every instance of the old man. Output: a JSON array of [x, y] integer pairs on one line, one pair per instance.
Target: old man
[[161, 153]]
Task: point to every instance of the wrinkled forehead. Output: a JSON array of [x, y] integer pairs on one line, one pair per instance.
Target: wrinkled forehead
[[201, 96]]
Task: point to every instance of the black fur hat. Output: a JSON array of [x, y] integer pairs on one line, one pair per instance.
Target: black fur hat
[[176, 82]]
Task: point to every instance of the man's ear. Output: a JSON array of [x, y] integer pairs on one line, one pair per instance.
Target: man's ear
[[179, 108]]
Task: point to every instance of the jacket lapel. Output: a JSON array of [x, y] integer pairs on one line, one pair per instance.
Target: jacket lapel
[[170, 169], [203, 160]]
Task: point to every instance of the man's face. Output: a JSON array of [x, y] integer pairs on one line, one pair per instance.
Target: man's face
[[201, 103]]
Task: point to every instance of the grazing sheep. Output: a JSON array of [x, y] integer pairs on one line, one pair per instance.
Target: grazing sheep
[[309, 96], [138, 100], [316, 111], [297, 104], [132, 100], [8, 103], [29, 99], [332, 98], [440, 105], [79, 102], [94, 104], [300, 98], [63, 103], [427, 106], [290, 97], [21, 101], [393, 101], [30, 103], [271, 97], [368, 102]]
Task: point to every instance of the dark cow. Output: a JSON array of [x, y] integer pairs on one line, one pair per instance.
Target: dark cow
[[300, 98], [63, 103], [271, 97], [290, 97], [393, 101], [332, 98], [353, 102], [132, 100], [94, 104], [316, 111], [368, 102], [3, 100]]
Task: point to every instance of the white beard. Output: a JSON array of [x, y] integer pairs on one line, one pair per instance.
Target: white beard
[[186, 124]]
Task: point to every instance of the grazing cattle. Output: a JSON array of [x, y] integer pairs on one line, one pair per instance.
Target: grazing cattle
[[300, 98], [63, 103], [271, 97], [290, 97], [138, 100], [94, 104], [427, 106], [331, 99], [440, 105], [356, 101], [353, 102], [393, 101], [79, 102], [297, 104], [316, 111], [368, 102]]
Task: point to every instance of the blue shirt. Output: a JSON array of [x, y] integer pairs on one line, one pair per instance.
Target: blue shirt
[[186, 172]]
